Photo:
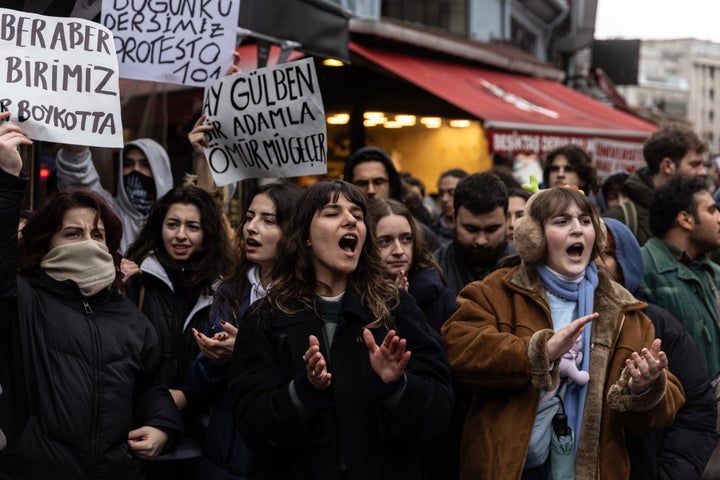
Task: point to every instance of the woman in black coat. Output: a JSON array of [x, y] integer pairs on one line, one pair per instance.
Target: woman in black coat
[[78, 361], [336, 374], [183, 253]]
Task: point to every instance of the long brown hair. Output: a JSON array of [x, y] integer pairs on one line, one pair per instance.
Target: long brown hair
[[295, 282], [285, 198]]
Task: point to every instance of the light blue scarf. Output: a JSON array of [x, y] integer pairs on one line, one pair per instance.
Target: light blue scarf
[[583, 293]]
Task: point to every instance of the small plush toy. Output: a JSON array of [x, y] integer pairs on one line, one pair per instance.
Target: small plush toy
[[570, 367]]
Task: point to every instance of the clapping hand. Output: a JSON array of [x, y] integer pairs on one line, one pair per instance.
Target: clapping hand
[[219, 348], [390, 358], [645, 367], [316, 366]]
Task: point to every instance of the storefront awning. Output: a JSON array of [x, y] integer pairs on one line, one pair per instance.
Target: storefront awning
[[507, 102]]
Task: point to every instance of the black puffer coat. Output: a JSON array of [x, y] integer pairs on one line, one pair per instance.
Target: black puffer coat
[[78, 374]]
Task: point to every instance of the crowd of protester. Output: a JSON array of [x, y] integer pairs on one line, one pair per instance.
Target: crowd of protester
[[359, 328]]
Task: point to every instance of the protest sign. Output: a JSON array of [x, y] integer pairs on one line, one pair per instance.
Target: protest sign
[[189, 42], [268, 123], [59, 79]]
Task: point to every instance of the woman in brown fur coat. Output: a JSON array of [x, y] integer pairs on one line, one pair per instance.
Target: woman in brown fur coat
[[510, 331]]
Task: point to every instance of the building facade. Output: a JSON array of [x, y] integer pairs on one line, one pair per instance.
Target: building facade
[[680, 80]]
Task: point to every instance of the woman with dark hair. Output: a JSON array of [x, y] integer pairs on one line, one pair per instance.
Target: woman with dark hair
[[408, 262], [79, 365], [323, 376], [265, 223], [183, 252]]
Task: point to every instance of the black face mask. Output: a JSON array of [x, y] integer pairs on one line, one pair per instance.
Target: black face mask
[[140, 190]]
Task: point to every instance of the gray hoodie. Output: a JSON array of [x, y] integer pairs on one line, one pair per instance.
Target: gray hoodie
[[76, 170]]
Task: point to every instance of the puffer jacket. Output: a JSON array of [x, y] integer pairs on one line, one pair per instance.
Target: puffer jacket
[[496, 347], [177, 343], [80, 373]]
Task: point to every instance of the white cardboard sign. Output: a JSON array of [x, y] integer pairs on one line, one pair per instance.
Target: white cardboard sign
[[59, 79], [189, 42], [268, 123]]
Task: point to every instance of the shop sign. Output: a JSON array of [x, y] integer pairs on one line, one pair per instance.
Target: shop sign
[[611, 155], [608, 154]]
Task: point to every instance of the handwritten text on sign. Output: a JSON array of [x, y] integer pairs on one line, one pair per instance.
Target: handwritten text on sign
[[269, 123], [59, 79], [177, 41]]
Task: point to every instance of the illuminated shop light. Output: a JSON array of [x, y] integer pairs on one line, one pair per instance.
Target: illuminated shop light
[[373, 115], [405, 120], [431, 122], [393, 124], [332, 62], [459, 123], [339, 119]]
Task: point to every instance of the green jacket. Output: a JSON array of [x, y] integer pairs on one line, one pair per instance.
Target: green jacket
[[686, 292]]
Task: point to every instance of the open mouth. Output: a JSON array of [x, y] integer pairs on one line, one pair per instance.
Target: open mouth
[[251, 242], [348, 243], [575, 250]]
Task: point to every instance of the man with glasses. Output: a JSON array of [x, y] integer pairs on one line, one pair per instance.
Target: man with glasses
[[372, 171]]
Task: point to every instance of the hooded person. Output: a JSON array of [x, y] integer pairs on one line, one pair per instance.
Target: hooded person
[[683, 449], [144, 176], [611, 191]]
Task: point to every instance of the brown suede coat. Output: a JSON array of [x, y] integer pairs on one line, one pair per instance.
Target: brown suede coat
[[496, 346]]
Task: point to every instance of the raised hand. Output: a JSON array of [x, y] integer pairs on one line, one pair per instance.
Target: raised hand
[[197, 136], [401, 280], [235, 67], [219, 348], [390, 358], [645, 367], [11, 137], [564, 338], [316, 366]]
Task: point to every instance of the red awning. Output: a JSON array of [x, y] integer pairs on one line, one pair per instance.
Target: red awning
[[511, 102]]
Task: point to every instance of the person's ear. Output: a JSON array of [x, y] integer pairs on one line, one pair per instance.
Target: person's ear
[[667, 166], [685, 220]]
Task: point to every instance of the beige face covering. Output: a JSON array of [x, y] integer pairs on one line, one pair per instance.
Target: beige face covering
[[87, 263]]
